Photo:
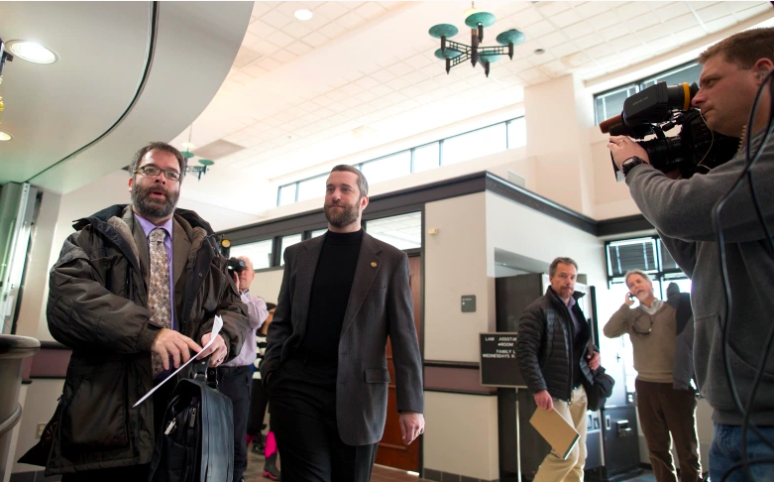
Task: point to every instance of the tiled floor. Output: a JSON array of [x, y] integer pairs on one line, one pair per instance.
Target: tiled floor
[[380, 474]]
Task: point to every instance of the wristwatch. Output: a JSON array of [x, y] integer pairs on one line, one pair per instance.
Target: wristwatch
[[628, 164]]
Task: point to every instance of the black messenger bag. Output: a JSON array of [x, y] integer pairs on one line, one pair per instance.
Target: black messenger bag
[[196, 439]]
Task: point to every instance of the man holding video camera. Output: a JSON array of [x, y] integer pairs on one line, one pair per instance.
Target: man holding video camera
[[236, 376], [682, 210]]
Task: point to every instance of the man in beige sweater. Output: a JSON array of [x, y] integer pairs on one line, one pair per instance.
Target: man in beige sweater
[[666, 401]]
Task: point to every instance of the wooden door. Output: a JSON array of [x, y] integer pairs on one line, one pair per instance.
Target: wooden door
[[392, 452]]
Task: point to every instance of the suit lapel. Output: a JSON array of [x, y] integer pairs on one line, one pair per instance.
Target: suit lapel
[[306, 266], [181, 245], [368, 266], [141, 241]]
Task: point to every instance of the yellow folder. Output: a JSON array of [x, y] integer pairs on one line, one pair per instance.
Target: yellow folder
[[557, 431]]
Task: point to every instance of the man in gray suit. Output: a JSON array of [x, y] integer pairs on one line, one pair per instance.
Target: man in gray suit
[[325, 366]]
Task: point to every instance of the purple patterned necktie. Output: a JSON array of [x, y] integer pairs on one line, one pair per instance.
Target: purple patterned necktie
[[158, 291]]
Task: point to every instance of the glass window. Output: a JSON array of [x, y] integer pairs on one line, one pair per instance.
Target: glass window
[[287, 241], [259, 253], [318, 232], [426, 157], [517, 133], [387, 168], [687, 73], [312, 188], [629, 254], [611, 104], [287, 194], [403, 231], [474, 144]]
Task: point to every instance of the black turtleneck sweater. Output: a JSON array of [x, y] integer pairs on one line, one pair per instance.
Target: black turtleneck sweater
[[330, 295]]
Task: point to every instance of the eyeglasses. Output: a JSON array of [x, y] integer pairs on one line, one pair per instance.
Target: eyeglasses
[[153, 171], [643, 324]]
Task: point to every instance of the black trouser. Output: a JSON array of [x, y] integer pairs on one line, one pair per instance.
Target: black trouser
[[234, 382], [160, 399], [303, 419], [259, 398]]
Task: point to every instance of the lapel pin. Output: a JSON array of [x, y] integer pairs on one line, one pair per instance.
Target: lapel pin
[[373, 264]]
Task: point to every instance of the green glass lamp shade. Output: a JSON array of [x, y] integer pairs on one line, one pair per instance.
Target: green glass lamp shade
[[486, 19], [206, 162], [488, 57], [443, 30], [187, 154], [449, 54], [512, 36]]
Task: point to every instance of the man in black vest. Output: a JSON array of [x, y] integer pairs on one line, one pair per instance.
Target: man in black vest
[[342, 295], [552, 353]]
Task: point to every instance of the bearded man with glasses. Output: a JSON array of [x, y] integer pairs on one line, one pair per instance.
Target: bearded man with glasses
[[134, 294], [662, 338]]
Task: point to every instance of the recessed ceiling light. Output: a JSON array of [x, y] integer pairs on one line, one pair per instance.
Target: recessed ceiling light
[[539, 51], [32, 52], [303, 14], [5, 137]]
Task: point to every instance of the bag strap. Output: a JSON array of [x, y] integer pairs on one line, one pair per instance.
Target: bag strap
[[201, 371]]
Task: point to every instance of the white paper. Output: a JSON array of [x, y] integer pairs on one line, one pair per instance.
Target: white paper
[[217, 325]]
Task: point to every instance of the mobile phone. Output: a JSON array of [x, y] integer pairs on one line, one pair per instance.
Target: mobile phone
[[631, 297]]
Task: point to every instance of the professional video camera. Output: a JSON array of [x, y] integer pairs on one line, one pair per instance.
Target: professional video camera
[[235, 265], [660, 108]]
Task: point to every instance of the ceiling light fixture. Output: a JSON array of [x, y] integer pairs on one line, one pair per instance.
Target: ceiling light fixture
[[4, 136], [32, 52], [303, 14], [454, 53], [205, 163]]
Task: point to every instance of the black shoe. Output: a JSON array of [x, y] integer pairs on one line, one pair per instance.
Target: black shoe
[[259, 449], [270, 470]]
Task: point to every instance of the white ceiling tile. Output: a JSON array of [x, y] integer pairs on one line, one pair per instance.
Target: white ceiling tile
[[740, 6], [566, 19], [297, 29], [414, 77], [315, 39], [543, 59], [662, 44], [633, 10], [261, 29], [525, 18], [638, 24], [370, 10], [589, 41], [317, 20], [245, 56], [383, 75], [280, 39], [751, 12], [268, 63], [260, 8], [700, 5], [381, 90], [604, 20], [625, 42], [614, 32], [672, 10], [549, 9], [332, 30], [265, 48], [601, 50], [332, 10], [721, 23], [553, 39], [714, 12], [538, 29], [564, 49], [351, 89], [350, 20], [367, 83], [336, 95], [366, 96], [398, 84], [284, 56], [349, 101], [591, 9], [579, 29], [652, 33], [299, 48], [418, 61], [255, 70], [276, 19], [400, 68]]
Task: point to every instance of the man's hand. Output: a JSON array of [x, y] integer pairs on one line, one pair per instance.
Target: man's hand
[[412, 425], [171, 343], [623, 148], [628, 300], [544, 400], [236, 282], [218, 349], [593, 360]]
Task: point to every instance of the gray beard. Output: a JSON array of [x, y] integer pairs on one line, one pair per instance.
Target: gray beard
[[151, 209]]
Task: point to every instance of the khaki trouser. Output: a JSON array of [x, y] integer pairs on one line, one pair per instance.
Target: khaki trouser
[[554, 469], [664, 410]]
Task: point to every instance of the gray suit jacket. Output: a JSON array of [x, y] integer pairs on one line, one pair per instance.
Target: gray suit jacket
[[379, 306]]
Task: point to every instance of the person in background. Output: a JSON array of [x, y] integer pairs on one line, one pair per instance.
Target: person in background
[[234, 377], [260, 400], [553, 355], [662, 339]]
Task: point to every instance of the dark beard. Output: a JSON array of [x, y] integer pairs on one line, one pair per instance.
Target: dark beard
[[341, 218], [152, 209]]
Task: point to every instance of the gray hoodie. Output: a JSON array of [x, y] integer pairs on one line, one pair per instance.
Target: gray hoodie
[[681, 210]]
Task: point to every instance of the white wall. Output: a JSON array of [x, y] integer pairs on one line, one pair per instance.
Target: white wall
[[461, 435], [267, 285]]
